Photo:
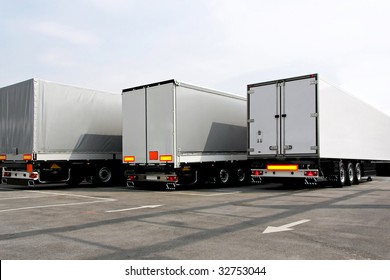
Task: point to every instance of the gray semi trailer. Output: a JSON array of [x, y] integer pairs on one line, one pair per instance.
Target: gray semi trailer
[[53, 133], [175, 133], [306, 128]]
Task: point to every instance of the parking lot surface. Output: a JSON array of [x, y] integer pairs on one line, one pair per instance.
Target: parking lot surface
[[267, 221]]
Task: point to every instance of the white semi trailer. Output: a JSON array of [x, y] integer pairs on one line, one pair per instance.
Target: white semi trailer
[[175, 133], [53, 133], [306, 128]]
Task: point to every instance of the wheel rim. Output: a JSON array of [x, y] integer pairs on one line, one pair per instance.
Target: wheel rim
[[342, 174], [223, 176], [241, 175], [358, 172], [104, 174], [350, 173]]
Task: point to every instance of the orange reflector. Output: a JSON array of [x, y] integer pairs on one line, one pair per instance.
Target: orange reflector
[[3, 157], [29, 167], [153, 155], [27, 157], [166, 158], [129, 158], [282, 167]]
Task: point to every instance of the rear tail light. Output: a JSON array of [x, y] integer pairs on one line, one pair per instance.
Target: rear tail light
[[172, 178], [27, 157], [33, 175], [257, 172], [166, 158], [129, 158], [6, 174], [311, 173], [3, 157], [131, 177], [282, 167]]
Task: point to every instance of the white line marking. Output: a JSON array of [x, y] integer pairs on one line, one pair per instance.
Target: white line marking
[[74, 195], [134, 208], [95, 200], [200, 194], [55, 205], [24, 197]]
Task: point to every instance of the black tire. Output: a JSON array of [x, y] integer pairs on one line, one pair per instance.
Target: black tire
[[241, 176], [103, 176], [223, 176], [341, 176], [358, 174], [350, 174]]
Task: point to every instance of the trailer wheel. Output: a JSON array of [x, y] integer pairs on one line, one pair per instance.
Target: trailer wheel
[[358, 174], [341, 175], [350, 175], [103, 175], [223, 176], [241, 175]]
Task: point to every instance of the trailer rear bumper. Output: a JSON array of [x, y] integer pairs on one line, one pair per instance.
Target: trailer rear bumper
[[19, 175], [299, 173], [171, 180], [25, 178]]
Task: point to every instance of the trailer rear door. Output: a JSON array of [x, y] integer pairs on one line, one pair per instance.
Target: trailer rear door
[[148, 124], [160, 123], [263, 125], [134, 126], [283, 117]]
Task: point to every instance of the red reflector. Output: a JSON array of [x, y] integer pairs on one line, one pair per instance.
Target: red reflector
[[257, 172], [311, 173], [29, 167], [153, 155], [7, 174]]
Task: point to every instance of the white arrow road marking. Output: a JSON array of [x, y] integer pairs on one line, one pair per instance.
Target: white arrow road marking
[[287, 227], [134, 208]]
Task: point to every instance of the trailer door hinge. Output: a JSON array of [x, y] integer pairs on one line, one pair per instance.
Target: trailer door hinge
[[313, 82], [273, 148], [251, 150], [314, 148], [251, 121], [251, 91], [314, 115]]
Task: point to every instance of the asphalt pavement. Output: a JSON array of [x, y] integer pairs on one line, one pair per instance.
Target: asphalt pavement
[[267, 222]]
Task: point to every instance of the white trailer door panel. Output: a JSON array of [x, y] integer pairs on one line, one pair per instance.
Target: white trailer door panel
[[160, 123], [283, 117], [299, 119], [263, 125], [134, 125]]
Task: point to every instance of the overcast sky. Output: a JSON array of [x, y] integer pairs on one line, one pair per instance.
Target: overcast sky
[[223, 44]]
